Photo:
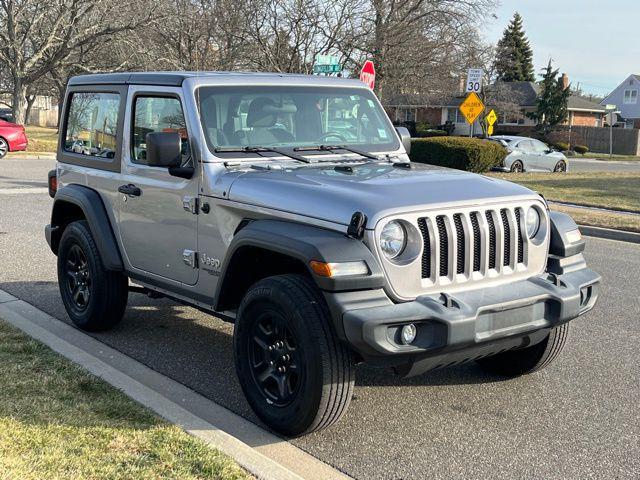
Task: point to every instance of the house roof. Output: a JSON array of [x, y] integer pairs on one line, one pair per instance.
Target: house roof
[[526, 94]]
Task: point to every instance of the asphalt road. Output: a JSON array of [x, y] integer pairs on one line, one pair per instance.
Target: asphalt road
[[592, 165], [579, 418]]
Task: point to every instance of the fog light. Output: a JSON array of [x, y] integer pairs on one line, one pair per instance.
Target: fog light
[[408, 333]]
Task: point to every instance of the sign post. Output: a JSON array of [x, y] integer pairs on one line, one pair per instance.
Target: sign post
[[368, 74], [471, 108], [611, 109]]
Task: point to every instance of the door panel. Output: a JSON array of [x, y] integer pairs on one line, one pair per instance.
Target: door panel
[[156, 226]]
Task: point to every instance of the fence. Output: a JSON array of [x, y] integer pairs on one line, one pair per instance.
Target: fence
[[626, 141]]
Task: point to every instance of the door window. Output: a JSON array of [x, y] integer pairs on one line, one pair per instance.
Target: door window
[[92, 124], [157, 114], [539, 147], [525, 146]]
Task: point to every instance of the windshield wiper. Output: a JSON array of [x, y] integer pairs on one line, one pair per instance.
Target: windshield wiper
[[330, 148], [284, 153]]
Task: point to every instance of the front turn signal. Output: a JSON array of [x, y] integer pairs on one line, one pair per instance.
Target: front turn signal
[[338, 269]]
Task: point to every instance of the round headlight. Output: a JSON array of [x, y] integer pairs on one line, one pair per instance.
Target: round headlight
[[393, 239], [533, 222]]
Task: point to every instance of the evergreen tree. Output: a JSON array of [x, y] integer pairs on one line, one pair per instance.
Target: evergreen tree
[[514, 58], [552, 102]]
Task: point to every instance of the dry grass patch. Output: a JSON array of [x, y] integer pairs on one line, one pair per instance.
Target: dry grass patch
[[59, 422], [42, 139]]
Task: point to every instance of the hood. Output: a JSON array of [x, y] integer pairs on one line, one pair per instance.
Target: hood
[[375, 189]]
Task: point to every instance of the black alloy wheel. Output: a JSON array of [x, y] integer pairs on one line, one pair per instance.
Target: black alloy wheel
[[78, 275], [274, 360]]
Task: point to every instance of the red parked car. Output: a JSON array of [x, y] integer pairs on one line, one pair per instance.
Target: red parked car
[[12, 138]]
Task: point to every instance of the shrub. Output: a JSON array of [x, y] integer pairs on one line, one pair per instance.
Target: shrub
[[422, 128], [562, 146], [471, 154], [581, 149]]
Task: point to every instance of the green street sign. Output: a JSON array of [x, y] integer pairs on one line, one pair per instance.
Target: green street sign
[[327, 68]]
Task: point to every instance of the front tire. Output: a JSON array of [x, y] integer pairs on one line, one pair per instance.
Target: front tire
[[95, 298], [295, 373], [560, 167], [529, 359], [4, 147]]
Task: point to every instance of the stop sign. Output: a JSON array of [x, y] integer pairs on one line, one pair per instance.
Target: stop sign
[[368, 74]]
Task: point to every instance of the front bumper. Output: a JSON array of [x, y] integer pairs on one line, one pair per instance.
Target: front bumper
[[485, 320]]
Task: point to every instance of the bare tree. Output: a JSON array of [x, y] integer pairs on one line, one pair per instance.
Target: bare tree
[[37, 36]]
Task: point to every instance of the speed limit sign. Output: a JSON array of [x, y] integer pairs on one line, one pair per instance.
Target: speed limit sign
[[474, 80]]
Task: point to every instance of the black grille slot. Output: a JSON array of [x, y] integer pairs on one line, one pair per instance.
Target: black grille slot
[[444, 246], [492, 240], [476, 241], [520, 239], [426, 253], [457, 221], [507, 237]]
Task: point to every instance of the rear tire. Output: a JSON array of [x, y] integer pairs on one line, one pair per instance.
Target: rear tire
[[560, 167], [517, 167], [95, 298], [295, 373], [529, 359]]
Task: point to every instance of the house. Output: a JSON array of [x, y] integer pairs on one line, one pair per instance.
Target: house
[[511, 101], [625, 98]]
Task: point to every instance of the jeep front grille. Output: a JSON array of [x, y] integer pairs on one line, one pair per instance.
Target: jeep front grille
[[471, 243]]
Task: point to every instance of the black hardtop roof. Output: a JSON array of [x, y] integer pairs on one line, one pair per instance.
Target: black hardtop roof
[[172, 79]]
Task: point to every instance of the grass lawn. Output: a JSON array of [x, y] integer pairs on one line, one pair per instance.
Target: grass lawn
[[605, 156], [42, 139], [59, 422], [601, 219], [598, 189]]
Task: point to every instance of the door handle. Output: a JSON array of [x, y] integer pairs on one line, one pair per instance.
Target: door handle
[[130, 189]]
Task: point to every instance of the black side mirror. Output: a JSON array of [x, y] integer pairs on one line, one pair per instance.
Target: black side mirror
[[164, 149], [405, 138]]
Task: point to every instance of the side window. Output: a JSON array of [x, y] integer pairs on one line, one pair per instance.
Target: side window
[[157, 114], [92, 124], [539, 147], [525, 146]]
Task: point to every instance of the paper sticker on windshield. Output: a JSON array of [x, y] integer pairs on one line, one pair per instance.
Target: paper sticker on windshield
[[382, 133]]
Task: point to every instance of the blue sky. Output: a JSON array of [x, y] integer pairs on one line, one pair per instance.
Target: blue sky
[[595, 42]]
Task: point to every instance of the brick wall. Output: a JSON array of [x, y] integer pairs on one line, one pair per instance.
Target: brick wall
[[586, 119]]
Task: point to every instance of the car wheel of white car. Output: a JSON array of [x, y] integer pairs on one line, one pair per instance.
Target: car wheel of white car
[[560, 167], [4, 147], [517, 167]]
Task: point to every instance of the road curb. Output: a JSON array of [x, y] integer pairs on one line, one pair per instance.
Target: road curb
[[610, 234], [619, 211], [263, 454]]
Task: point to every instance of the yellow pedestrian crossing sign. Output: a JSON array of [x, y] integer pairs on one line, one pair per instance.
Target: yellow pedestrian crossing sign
[[491, 118], [472, 107]]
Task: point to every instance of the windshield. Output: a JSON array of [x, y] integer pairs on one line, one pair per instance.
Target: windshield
[[259, 116]]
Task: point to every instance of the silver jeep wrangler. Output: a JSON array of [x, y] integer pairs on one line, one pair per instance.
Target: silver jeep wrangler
[[287, 205]]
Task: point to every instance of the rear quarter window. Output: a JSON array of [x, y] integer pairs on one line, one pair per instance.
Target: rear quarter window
[[92, 124]]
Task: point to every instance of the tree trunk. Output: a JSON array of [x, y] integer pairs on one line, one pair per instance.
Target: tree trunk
[[30, 101], [19, 101]]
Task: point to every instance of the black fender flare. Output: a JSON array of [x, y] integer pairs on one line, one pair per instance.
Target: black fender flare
[[560, 244], [94, 211], [305, 243]]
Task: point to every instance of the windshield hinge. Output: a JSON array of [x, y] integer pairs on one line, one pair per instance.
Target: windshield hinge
[[357, 225], [190, 204]]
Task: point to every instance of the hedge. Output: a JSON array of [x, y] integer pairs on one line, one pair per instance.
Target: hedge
[[471, 154], [581, 149]]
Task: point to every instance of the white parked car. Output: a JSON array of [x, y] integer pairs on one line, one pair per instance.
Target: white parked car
[[528, 154]]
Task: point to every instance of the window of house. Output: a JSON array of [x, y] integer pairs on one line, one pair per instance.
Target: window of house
[[630, 97], [511, 119], [157, 114], [454, 115], [92, 124]]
